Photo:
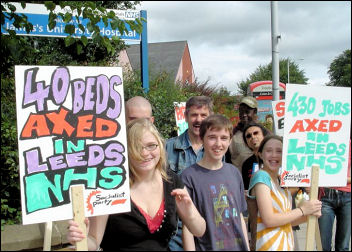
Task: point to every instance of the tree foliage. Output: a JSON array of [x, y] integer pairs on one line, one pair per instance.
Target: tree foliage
[[340, 70], [10, 186], [263, 73]]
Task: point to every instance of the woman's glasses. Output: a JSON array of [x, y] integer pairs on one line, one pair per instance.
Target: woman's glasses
[[150, 147]]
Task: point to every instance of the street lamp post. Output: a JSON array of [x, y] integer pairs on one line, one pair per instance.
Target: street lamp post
[[288, 69]]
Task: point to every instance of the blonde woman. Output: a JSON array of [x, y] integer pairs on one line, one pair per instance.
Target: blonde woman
[[275, 216], [157, 198]]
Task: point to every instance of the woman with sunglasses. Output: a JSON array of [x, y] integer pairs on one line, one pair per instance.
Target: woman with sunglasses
[[157, 198]]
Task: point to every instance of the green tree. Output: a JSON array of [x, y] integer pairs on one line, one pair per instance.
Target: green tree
[[265, 73], [340, 70]]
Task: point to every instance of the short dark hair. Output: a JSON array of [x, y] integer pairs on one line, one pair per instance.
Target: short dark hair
[[216, 121], [199, 101]]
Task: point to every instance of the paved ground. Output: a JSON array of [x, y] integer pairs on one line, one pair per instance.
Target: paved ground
[[301, 237], [302, 234]]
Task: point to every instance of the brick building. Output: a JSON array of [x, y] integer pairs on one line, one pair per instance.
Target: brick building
[[171, 57]]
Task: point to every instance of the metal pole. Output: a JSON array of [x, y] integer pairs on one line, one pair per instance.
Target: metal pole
[[288, 70], [275, 50], [144, 54]]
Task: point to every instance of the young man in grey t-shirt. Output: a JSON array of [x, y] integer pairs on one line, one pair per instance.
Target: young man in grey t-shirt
[[217, 191]]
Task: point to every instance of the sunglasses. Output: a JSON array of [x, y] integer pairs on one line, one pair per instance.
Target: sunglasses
[[249, 135]]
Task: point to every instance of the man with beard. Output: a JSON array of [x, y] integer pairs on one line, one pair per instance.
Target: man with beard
[[187, 148], [238, 149]]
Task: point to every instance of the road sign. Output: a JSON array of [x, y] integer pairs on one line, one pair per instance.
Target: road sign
[[38, 16]]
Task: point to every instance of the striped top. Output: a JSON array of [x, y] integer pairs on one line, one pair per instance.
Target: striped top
[[275, 238]]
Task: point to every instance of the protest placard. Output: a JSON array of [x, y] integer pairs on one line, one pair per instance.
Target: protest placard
[[181, 124], [316, 132], [279, 116], [71, 130]]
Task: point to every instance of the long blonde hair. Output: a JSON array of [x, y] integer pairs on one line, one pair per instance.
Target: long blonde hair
[[135, 132]]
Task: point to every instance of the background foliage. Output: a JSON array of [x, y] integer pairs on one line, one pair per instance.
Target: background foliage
[[261, 73], [340, 70]]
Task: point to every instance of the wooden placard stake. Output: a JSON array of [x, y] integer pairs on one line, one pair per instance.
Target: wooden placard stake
[[78, 215], [47, 236], [312, 220]]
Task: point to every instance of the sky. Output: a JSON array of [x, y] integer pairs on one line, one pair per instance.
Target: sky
[[228, 40]]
